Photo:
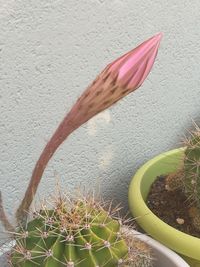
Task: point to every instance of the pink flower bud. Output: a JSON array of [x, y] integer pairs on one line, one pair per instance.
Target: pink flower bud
[[133, 67], [117, 80]]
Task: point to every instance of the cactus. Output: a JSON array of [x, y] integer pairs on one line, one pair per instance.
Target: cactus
[[194, 214], [191, 178], [174, 181], [77, 233]]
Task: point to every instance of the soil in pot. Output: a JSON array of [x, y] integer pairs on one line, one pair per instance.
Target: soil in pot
[[171, 206]]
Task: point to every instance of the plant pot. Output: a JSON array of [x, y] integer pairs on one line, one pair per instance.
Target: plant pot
[[164, 257], [187, 246]]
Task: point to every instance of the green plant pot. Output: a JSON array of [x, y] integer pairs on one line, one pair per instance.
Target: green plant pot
[[187, 246]]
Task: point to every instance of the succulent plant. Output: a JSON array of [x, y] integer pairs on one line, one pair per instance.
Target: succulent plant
[[80, 232], [191, 177], [77, 233], [174, 180], [187, 177]]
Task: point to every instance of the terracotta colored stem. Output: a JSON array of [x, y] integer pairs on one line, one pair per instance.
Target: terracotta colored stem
[[62, 132]]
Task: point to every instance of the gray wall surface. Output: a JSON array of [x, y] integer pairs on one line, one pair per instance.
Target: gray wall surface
[[50, 50]]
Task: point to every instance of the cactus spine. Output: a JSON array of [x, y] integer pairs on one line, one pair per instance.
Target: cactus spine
[[139, 252], [191, 178]]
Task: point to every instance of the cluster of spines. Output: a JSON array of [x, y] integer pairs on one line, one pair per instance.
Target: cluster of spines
[[174, 180], [75, 233], [191, 178], [140, 254]]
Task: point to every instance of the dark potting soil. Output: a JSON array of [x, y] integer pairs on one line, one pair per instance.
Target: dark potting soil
[[171, 207]]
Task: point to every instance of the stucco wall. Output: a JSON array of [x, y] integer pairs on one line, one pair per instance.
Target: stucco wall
[[49, 52]]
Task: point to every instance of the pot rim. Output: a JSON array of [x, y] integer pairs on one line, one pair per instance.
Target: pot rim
[[157, 246], [181, 242]]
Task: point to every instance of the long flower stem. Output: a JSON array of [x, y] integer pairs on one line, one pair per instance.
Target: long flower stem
[[117, 80], [62, 132]]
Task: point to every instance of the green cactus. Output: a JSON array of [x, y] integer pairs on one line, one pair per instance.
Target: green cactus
[[76, 233], [191, 178]]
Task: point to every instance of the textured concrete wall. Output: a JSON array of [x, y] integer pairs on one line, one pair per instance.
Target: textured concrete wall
[[49, 52]]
